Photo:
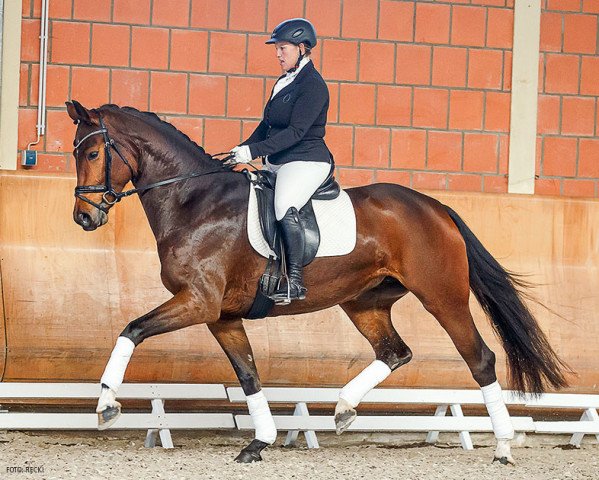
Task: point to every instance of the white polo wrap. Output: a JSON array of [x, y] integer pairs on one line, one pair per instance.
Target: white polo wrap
[[367, 379], [500, 417], [262, 418], [119, 359]]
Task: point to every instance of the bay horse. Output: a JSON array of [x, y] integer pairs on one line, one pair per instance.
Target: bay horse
[[406, 242]]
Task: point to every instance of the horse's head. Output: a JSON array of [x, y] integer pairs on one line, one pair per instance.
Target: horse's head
[[100, 176]]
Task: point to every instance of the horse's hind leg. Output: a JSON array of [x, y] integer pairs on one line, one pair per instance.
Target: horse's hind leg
[[371, 314], [454, 316], [231, 336], [436, 270]]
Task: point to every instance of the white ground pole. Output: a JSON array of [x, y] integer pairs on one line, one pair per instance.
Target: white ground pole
[[524, 100]]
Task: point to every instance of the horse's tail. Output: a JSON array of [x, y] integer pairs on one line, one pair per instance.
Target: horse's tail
[[532, 362]]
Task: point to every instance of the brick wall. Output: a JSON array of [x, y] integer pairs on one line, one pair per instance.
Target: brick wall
[[420, 91], [567, 143]]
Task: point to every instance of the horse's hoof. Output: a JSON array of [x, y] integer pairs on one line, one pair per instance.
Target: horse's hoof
[[248, 457], [503, 452], [108, 416], [344, 419], [251, 453], [505, 460]]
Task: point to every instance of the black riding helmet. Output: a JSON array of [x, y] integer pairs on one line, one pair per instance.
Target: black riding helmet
[[296, 31]]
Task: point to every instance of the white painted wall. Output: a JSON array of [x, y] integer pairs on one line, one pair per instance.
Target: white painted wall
[[525, 80], [9, 82]]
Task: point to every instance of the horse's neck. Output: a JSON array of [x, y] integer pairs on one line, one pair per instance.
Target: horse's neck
[[161, 163]]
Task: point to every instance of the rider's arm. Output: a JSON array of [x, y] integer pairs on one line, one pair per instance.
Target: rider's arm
[[258, 135]]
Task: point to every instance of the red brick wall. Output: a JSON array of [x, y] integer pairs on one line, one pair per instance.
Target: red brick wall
[[567, 143], [420, 91]]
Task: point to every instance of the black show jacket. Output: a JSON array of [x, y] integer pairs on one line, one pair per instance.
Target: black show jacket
[[293, 125]]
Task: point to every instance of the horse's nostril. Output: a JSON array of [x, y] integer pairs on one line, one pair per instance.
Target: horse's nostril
[[84, 219]]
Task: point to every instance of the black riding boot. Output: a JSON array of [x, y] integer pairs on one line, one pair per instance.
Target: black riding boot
[[293, 240]]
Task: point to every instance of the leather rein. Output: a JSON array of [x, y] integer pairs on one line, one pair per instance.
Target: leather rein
[[107, 190]]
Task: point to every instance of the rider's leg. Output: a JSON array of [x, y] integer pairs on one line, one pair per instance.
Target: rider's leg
[[294, 242], [296, 183]]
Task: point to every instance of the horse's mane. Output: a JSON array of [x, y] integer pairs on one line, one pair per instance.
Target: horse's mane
[[152, 118]]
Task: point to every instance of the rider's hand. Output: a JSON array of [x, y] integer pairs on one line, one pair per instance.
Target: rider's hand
[[242, 154]]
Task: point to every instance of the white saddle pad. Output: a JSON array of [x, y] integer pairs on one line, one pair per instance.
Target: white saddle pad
[[336, 222]]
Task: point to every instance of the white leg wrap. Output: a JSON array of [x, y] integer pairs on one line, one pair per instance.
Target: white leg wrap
[[262, 418], [500, 418], [115, 369], [367, 379]]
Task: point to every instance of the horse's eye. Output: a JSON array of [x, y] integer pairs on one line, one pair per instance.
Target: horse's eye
[[92, 155]]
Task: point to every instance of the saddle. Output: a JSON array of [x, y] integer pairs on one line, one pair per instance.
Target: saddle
[[263, 182]]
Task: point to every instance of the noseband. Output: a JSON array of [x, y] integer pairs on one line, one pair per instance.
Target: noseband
[[107, 190]]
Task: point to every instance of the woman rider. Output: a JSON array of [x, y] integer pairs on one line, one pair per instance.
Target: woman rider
[[290, 137]]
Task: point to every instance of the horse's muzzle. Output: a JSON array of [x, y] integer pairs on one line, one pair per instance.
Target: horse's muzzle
[[90, 221]]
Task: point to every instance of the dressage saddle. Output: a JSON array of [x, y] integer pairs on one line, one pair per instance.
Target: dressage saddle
[[264, 185], [263, 182]]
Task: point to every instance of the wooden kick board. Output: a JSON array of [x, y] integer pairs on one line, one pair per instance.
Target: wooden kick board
[[68, 293]]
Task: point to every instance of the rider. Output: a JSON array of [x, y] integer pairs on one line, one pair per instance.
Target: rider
[[290, 137]]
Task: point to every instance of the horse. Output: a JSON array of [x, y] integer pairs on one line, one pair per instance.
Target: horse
[[406, 242]]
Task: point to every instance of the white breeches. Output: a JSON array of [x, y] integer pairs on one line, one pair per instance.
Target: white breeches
[[296, 183]]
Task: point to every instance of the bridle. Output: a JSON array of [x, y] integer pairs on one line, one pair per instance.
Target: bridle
[[107, 190]]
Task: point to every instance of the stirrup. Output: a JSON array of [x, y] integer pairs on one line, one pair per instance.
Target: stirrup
[[284, 297]]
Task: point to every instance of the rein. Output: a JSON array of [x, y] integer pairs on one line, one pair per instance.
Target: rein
[[107, 189]]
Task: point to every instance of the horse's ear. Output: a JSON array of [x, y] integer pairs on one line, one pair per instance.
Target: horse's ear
[[78, 112]]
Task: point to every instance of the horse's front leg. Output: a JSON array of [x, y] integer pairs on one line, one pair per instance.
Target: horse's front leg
[[183, 310], [231, 336]]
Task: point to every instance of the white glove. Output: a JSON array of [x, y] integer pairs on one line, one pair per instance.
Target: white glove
[[242, 154]]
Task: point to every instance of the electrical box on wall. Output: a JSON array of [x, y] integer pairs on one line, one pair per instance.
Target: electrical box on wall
[[28, 158]]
